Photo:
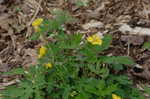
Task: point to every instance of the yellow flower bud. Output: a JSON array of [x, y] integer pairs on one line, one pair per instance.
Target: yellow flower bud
[[48, 65], [42, 51], [114, 96], [36, 23]]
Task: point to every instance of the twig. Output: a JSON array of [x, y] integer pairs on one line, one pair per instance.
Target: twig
[[3, 85], [36, 13], [128, 51]]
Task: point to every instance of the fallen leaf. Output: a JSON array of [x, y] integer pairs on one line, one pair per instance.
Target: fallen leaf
[[30, 57], [142, 71], [92, 24], [125, 28], [135, 40]]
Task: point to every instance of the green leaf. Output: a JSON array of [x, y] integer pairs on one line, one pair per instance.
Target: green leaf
[[16, 71], [39, 94], [62, 16], [88, 51], [124, 60], [117, 60], [75, 40], [104, 72], [109, 90], [25, 84], [28, 92], [83, 95], [106, 42], [13, 92], [147, 90], [66, 92], [35, 36], [25, 96], [81, 3], [146, 45], [117, 67], [69, 41], [122, 79], [101, 85], [90, 88]]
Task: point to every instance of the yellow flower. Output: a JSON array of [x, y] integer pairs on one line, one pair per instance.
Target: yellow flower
[[95, 39], [36, 23], [114, 96], [42, 51], [48, 65]]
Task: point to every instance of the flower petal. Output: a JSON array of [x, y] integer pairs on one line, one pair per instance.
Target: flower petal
[[48, 65], [37, 22], [42, 51], [114, 96], [95, 39]]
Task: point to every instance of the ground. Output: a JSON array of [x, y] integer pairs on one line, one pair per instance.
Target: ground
[[103, 16]]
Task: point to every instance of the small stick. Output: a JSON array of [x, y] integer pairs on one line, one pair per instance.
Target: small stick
[[3, 85], [36, 12], [128, 51]]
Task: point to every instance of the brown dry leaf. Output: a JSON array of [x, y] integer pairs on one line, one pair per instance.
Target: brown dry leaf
[[30, 57], [3, 67], [2, 8], [144, 74], [96, 13], [4, 85], [4, 21], [125, 28], [92, 24], [93, 14], [135, 40], [144, 70]]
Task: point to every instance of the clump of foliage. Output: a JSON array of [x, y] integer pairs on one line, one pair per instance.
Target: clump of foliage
[[49, 26], [73, 67]]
